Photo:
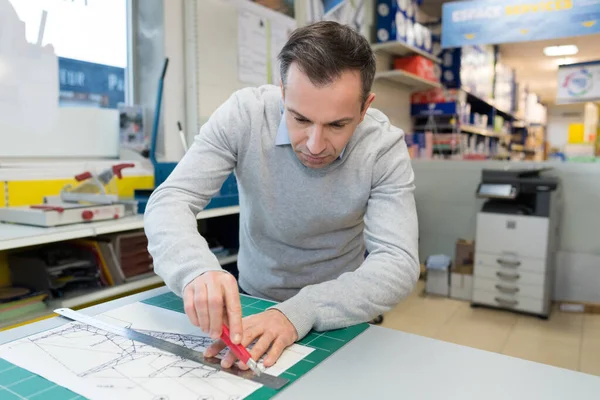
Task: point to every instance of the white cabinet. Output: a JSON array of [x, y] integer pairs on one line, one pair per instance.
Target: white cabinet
[[512, 263]]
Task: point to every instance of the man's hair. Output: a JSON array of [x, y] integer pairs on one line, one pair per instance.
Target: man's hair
[[324, 50]]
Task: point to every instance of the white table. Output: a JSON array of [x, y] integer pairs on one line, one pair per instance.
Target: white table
[[383, 364]]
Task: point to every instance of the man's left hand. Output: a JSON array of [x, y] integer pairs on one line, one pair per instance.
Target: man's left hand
[[272, 331]]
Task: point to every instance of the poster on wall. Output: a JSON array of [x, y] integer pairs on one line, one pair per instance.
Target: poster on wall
[[509, 21], [578, 83], [347, 12], [262, 33]]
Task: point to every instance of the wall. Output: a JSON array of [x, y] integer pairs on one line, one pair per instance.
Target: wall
[[559, 119], [447, 210], [216, 33]]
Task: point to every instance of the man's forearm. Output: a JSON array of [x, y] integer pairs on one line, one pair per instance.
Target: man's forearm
[[179, 252], [355, 297]]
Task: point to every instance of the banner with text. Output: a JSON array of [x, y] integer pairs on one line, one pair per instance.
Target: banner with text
[[578, 83], [507, 21]]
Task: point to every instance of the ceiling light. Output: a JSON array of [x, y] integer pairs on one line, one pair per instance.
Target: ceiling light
[[557, 51]]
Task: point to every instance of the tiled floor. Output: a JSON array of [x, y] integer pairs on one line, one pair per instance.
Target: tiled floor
[[566, 340]]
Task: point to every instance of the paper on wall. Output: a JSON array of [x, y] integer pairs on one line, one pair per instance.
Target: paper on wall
[[252, 48], [280, 33]]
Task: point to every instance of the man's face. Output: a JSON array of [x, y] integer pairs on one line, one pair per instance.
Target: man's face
[[321, 120]]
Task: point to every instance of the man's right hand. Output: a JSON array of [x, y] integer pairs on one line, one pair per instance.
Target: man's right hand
[[213, 299]]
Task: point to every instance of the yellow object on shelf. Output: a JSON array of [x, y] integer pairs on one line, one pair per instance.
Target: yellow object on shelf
[[576, 134], [25, 192]]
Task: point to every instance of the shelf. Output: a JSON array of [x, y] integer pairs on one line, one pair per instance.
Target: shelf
[[403, 49], [15, 236], [99, 295], [407, 79], [107, 293], [479, 131], [465, 129], [522, 149]]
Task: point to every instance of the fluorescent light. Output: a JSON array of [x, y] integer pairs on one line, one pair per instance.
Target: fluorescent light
[[558, 51]]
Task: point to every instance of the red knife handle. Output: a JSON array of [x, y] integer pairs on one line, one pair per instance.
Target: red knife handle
[[117, 169], [83, 176], [237, 349]]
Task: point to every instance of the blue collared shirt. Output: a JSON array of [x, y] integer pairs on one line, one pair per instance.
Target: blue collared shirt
[[283, 135]]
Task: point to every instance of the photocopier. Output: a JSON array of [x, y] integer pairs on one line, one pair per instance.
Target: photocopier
[[516, 240]]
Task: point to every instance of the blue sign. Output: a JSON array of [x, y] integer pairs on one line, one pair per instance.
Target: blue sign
[[507, 21], [88, 84]]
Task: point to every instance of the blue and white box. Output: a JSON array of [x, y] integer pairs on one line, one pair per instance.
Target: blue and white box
[[427, 40], [403, 6], [392, 20], [401, 23], [410, 33], [386, 20], [411, 12], [419, 37]]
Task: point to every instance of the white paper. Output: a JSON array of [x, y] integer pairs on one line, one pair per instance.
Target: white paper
[[252, 48], [280, 33], [99, 365]]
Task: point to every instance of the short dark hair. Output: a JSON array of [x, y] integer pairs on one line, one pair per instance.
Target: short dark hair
[[325, 49]]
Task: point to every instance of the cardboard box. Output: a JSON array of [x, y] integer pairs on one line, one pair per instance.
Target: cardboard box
[[465, 254], [461, 275], [461, 285], [417, 65]]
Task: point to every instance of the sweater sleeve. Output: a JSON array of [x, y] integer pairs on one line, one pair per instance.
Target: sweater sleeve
[[179, 252], [390, 271]]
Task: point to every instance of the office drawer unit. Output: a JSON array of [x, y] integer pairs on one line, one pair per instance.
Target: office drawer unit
[[509, 302], [517, 230], [509, 262], [509, 275]]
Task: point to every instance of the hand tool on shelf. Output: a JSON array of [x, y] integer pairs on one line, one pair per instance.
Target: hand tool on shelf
[[94, 198]]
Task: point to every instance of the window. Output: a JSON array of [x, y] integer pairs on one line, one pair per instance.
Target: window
[[89, 37]]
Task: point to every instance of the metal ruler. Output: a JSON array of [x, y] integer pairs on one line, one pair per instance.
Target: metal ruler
[[271, 381]]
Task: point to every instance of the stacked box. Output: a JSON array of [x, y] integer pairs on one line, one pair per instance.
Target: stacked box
[[391, 20], [504, 89], [396, 21], [470, 68], [417, 65]]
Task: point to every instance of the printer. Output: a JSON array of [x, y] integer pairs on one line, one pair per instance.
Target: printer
[[516, 240]]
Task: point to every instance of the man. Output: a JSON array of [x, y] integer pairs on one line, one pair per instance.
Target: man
[[321, 178]]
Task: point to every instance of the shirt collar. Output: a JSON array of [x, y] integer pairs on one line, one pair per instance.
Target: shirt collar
[[283, 135]]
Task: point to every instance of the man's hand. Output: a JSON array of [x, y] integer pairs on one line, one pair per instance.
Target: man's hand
[[213, 299], [274, 333]]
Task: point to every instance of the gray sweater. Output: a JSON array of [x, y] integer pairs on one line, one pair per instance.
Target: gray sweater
[[303, 232]]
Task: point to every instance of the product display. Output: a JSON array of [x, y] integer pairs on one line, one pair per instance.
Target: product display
[[396, 21], [417, 65]]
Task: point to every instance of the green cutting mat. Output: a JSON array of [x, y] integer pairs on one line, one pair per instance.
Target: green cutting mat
[[19, 384]]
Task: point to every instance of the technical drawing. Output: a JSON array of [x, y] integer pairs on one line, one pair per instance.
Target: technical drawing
[[101, 365], [126, 351]]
